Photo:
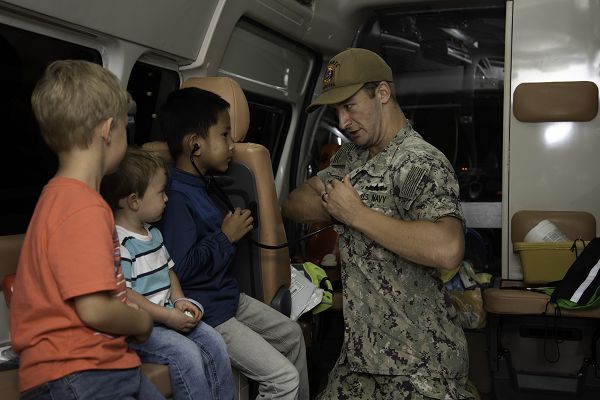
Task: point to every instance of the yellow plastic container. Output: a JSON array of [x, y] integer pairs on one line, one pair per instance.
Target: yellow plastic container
[[544, 262]]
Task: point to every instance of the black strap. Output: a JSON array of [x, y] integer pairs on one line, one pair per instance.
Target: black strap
[[574, 246]]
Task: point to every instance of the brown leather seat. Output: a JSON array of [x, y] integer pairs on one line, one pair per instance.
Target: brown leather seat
[[517, 301]]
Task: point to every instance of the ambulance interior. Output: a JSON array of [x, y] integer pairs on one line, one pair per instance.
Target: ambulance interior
[[457, 65]]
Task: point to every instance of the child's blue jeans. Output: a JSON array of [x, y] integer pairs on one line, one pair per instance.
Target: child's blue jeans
[[126, 384], [198, 361]]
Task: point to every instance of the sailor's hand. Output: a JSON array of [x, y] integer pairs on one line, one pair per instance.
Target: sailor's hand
[[341, 200]]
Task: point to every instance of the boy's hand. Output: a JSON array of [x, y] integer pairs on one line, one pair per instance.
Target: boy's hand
[[180, 322], [184, 305], [236, 224], [146, 320]]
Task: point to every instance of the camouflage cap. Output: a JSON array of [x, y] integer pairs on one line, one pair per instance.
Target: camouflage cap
[[347, 72]]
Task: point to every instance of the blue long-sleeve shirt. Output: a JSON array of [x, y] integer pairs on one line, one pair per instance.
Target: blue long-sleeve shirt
[[191, 228]]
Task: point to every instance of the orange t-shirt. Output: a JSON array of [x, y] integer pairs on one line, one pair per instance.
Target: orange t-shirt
[[69, 251]]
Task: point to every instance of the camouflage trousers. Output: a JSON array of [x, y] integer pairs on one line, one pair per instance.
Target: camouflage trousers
[[345, 384]]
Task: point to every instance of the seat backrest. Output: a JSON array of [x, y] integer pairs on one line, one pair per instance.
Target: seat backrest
[[10, 247], [556, 101], [574, 224], [270, 280]]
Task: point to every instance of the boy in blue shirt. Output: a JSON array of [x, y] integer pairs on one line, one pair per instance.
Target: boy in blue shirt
[[263, 344], [195, 353]]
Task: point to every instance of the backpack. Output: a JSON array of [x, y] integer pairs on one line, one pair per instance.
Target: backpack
[[580, 287], [578, 290]]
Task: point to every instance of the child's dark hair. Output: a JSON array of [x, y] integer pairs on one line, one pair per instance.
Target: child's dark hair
[[133, 176], [188, 111]]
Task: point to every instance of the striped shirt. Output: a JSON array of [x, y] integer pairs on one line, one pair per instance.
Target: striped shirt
[[146, 263]]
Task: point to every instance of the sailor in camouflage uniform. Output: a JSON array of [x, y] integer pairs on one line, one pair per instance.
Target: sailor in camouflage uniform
[[396, 197]]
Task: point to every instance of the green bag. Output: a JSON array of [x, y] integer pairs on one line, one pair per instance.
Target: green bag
[[318, 277]]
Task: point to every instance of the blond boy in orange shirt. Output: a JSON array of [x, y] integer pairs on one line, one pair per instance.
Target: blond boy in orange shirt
[[69, 317]]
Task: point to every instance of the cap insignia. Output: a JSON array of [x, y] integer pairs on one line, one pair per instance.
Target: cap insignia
[[329, 77]]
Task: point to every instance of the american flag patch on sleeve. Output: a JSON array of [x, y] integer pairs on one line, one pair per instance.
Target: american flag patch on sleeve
[[413, 178]]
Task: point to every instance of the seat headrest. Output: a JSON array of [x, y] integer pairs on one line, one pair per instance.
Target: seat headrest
[[231, 92]]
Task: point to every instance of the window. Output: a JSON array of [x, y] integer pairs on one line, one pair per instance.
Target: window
[[149, 87], [273, 72], [26, 162], [269, 122], [449, 75]]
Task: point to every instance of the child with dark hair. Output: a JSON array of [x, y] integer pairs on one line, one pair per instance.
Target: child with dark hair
[[263, 344], [195, 353]]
